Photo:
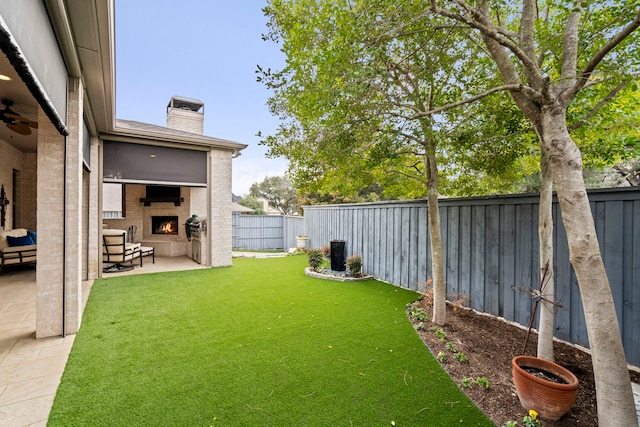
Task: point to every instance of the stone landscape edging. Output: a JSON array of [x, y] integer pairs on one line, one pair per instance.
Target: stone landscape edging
[[309, 272]]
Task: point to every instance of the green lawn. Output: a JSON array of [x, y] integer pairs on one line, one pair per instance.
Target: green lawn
[[257, 344]]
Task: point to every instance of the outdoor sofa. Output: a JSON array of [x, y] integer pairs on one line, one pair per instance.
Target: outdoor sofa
[[17, 247]]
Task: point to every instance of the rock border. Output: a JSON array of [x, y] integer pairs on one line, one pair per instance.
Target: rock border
[[317, 275]]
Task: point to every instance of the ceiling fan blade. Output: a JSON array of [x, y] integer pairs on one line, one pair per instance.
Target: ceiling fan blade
[[21, 120], [19, 128], [15, 116]]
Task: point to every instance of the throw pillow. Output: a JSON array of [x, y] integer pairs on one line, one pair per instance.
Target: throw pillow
[[33, 236], [20, 241]]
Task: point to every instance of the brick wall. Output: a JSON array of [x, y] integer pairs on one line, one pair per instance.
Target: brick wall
[[50, 214], [220, 221], [185, 120], [24, 205]]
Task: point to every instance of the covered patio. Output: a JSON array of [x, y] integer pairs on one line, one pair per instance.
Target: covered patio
[[58, 138]]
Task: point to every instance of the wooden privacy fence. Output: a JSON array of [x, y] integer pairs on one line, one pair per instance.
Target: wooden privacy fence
[[266, 232], [491, 245]]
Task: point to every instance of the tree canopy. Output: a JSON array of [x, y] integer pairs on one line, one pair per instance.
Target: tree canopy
[[357, 76], [277, 190]]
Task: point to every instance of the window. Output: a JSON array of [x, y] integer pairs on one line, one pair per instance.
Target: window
[[113, 200]]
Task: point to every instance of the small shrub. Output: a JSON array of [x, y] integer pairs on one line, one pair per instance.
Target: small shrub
[[314, 258], [440, 334], [483, 381], [441, 357], [470, 382], [354, 265], [466, 382], [452, 348], [531, 420], [326, 251], [298, 251], [419, 326], [461, 357], [418, 313]]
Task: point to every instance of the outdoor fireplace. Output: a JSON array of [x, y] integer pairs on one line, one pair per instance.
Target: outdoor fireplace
[[167, 225]]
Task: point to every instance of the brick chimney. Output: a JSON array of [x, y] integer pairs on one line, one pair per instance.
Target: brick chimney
[[186, 114]]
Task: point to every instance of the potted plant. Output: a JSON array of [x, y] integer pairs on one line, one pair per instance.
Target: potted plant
[[542, 385], [301, 241]]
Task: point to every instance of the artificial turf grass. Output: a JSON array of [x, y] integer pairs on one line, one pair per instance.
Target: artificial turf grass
[[256, 344]]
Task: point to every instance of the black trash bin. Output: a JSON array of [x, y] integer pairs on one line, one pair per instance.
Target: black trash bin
[[337, 255]]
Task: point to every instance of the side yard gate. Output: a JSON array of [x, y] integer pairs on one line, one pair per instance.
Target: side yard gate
[[490, 246], [266, 232]]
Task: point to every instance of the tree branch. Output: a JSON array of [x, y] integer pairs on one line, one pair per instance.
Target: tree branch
[[480, 21], [570, 51], [598, 57], [512, 88], [527, 41], [599, 106]]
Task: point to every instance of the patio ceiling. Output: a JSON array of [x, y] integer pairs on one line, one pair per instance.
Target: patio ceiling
[[23, 103]]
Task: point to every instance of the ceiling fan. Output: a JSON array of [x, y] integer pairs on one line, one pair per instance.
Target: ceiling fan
[[15, 121]]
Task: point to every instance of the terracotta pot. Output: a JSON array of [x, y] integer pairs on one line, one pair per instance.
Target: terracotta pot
[[550, 399]]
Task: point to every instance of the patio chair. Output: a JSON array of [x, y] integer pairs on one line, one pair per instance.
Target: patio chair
[[117, 252]]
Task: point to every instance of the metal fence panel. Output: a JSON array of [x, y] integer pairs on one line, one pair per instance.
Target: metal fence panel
[[491, 246], [266, 232]]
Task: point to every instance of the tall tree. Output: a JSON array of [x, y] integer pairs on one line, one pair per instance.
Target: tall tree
[[545, 61], [277, 190]]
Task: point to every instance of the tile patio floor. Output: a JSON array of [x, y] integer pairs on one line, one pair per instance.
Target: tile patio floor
[[30, 369]]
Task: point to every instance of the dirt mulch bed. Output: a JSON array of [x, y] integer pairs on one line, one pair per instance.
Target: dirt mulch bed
[[489, 344]]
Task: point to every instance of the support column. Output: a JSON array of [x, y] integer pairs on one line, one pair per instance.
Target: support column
[[74, 207], [50, 219], [219, 220], [59, 214], [95, 212]]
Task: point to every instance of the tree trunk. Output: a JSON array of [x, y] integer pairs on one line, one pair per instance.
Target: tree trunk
[[547, 284], [439, 316], [615, 401]]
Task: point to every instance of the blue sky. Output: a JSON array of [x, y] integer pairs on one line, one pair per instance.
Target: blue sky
[[202, 49]]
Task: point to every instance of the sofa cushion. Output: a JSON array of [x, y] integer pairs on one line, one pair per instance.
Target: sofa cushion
[[16, 232], [34, 236], [19, 241]]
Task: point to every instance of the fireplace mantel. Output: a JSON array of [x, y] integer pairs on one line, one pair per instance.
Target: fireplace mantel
[[148, 200]]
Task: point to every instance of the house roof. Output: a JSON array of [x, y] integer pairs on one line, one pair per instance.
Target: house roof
[[130, 129], [238, 208]]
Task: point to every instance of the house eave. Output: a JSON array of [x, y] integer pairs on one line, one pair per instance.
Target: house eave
[[192, 141]]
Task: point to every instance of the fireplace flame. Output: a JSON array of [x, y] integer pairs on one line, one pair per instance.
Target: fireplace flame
[[168, 228]]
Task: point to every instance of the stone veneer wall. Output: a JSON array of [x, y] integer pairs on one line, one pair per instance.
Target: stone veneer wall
[[13, 159], [73, 213], [50, 212], [185, 120], [29, 191], [139, 215], [220, 227], [94, 250]]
